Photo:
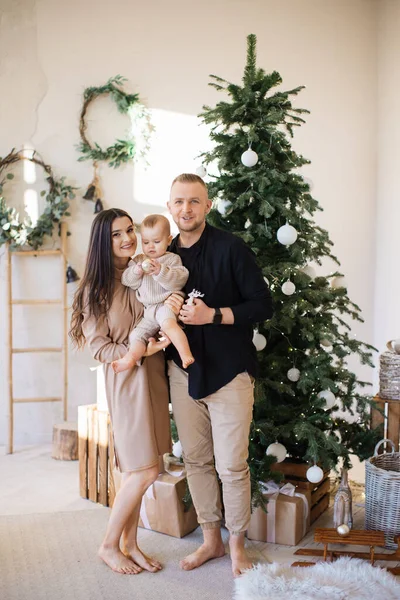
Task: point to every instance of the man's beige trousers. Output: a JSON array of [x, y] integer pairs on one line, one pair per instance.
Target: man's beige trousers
[[216, 426]]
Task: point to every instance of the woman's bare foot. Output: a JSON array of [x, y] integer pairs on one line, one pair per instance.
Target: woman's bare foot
[[240, 560], [187, 360], [201, 555], [144, 561], [123, 364], [119, 563]]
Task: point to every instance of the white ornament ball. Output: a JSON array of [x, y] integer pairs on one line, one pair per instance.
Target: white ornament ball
[[201, 171], [288, 288], [310, 271], [343, 530], [247, 224], [249, 158], [329, 397], [287, 235], [293, 374], [315, 474], [277, 450], [259, 341], [146, 265], [222, 206], [339, 282], [177, 449], [326, 345]]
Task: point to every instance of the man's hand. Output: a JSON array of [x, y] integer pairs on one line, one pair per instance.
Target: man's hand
[[197, 313], [174, 301], [155, 346]]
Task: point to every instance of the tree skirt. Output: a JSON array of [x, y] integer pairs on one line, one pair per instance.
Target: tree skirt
[[344, 579]]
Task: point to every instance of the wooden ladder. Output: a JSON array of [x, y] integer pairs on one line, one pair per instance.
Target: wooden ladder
[[61, 252]]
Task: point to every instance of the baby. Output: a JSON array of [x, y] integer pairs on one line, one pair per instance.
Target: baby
[[155, 276]]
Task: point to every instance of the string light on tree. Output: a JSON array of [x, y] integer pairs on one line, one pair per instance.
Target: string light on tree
[[278, 450], [293, 374], [329, 397], [259, 340], [288, 288], [249, 158], [287, 235], [314, 474]]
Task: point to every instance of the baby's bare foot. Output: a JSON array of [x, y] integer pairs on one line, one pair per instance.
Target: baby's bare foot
[[123, 364], [187, 360]]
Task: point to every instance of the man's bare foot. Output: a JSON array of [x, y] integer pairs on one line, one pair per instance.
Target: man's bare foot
[[187, 360], [201, 555], [123, 364], [119, 563], [144, 561], [240, 560]]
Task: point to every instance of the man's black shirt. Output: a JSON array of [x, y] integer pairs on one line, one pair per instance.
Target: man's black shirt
[[223, 268]]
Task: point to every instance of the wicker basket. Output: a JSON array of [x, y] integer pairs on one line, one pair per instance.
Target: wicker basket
[[389, 376], [382, 494]]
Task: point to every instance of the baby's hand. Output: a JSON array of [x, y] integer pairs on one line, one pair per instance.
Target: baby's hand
[[138, 270], [155, 267]]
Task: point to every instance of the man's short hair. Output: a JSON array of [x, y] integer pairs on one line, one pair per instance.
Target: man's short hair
[[152, 220], [189, 178]]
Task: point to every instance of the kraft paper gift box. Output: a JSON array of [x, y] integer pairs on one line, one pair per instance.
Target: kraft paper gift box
[[287, 519], [162, 507]]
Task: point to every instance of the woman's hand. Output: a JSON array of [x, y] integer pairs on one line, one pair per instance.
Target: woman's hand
[[155, 346], [175, 302]]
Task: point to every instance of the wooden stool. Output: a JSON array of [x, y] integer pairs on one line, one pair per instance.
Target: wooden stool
[[65, 441]]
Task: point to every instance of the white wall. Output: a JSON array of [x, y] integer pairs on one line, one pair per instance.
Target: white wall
[[51, 50]]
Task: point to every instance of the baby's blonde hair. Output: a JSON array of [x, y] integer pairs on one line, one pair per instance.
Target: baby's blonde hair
[[152, 220]]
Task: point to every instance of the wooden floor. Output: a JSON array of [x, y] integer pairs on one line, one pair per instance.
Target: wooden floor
[[285, 554]]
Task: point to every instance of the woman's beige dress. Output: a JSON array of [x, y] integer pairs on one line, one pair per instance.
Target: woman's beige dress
[[138, 398]]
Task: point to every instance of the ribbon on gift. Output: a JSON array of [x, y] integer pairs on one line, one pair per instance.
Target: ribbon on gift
[[271, 491], [143, 514]]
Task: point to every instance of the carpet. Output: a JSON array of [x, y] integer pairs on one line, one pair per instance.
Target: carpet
[[344, 579], [53, 557]]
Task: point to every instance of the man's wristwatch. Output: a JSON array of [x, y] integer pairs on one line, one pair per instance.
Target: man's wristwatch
[[217, 319]]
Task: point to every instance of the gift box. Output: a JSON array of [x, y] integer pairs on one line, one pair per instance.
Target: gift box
[[162, 507], [288, 517]]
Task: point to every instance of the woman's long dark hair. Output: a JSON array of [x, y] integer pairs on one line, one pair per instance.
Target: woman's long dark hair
[[96, 289]]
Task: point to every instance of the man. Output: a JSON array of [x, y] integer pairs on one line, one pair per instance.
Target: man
[[213, 399]]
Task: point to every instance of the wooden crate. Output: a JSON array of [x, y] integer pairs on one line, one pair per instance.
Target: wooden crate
[[390, 419], [317, 493], [96, 455]]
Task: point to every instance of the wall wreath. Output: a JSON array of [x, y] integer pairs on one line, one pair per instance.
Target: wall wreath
[[124, 150], [20, 233]]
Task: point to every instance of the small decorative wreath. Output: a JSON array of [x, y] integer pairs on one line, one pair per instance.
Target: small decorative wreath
[[123, 150], [20, 233]]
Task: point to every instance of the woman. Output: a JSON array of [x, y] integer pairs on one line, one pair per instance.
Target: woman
[[104, 313]]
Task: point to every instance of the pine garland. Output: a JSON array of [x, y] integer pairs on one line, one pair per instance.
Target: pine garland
[[20, 233], [122, 151]]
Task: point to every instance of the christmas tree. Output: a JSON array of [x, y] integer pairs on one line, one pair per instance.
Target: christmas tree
[[260, 195]]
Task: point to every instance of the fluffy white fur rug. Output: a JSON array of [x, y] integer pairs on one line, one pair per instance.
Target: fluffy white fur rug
[[344, 579]]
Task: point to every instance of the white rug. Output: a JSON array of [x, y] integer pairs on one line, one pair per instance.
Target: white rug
[[344, 579]]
